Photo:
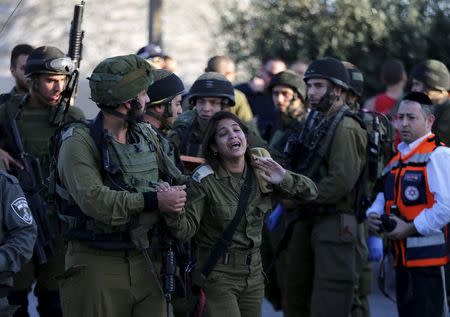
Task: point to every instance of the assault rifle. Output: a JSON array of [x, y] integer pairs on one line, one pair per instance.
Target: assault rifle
[[75, 51], [32, 183], [296, 143]]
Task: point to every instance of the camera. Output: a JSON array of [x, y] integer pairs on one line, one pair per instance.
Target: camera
[[387, 224]]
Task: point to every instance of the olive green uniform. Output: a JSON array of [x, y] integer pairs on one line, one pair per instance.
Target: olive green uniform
[[236, 285], [187, 135], [320, 277], [441, 126], [36, 132], [114, 277], [17, 235]]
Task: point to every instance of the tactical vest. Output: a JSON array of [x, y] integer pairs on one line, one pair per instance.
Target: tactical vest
[[406, 187], [189, 133], [34, 129], [129, 167]]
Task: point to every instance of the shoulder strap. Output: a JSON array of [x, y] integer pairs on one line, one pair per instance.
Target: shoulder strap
[[227, 235], [324, 147]]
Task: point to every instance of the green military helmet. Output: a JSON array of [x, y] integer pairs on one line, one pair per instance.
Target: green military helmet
[[48, 60], [356, 79], [119, 79], [291, 79], [433, 73], [328, 68], [165, 87], [212, 84]]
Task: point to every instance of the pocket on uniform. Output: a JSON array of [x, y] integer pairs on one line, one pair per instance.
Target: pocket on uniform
[[225, 212]]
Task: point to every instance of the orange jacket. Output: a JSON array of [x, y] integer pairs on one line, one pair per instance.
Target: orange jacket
[[407, 193]]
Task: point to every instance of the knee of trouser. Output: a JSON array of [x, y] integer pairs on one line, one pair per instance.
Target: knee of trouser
[[19, 299], [49, 304]]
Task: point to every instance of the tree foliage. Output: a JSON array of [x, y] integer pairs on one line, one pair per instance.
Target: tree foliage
[[364, 32]]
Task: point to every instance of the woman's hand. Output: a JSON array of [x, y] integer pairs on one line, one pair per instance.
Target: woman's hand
[[270, 170]]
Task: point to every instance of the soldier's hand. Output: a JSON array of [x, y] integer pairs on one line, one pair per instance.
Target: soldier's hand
[[373, 219], [8, 161], [163, 187], [172, 200], [271, 171]]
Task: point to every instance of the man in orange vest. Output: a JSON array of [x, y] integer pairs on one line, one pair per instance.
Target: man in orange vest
[[413, 211]]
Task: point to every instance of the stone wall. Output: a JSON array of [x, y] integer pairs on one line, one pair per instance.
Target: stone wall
[[115, 27]]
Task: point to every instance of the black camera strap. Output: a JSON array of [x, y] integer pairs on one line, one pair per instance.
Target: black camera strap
[[225, 240]]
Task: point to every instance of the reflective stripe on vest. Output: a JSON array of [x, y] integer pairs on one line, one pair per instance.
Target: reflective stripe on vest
[[407, 188]]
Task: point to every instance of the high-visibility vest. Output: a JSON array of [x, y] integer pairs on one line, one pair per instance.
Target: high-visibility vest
[[407, 193]]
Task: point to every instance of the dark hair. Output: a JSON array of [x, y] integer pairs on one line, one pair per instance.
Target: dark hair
[[392, 71], [214, 63], [21, 49], [210, 134]]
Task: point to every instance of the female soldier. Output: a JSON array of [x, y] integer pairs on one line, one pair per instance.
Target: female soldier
[[235, 285]]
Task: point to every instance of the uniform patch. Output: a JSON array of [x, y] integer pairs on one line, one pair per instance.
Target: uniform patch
[[20, 207], [201, 172], [67, 134], [412, 193]]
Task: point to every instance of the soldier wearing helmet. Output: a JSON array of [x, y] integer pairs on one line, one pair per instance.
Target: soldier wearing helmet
[[47, 70], [356, 86], [210, 93], [288, 92], [320, 275], [433, 78], [112, 170], [165, 100]]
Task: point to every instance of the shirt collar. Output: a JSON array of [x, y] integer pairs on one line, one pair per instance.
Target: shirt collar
[[405, 148]]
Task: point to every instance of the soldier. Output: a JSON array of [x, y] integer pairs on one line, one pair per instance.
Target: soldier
[[321, 271], [19, 56], [210, 93], [110, 169], [234, 285], [17, 235], [433, 78], [288, 92], [165, 101], [363, 268], [225, 66], [162, 110], [47, 70]]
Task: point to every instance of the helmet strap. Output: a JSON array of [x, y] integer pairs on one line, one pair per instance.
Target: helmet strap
[[165, 124]]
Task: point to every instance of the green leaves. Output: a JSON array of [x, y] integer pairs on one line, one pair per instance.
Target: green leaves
[[364, 32]]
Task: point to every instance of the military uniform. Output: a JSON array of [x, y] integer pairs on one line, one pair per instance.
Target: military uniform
[[285, 126], [441, 126], [36, 132], [110, 208], [187, 135], [117, 270], [236, 285], [17, 235], [321, 271]]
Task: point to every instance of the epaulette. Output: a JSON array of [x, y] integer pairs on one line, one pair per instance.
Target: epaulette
[[201, 172], [11, 178]]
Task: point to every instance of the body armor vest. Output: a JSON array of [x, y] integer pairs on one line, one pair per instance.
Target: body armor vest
[[129, 167]]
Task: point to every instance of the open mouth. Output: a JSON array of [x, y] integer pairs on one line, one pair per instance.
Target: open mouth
[[235, 145]]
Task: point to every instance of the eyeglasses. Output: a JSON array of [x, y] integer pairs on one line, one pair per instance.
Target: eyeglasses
[[63, 64]]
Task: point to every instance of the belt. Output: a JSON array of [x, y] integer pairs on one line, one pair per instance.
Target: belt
[[233, 257]]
